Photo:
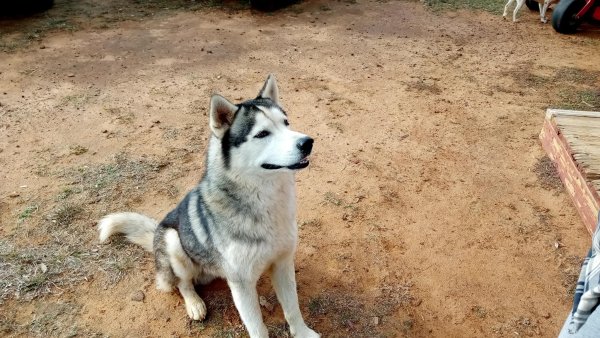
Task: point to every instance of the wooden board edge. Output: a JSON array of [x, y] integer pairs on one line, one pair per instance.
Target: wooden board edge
[[584, 197]]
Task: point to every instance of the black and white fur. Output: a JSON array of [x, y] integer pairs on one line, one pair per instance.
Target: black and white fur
[[520, 3], [240, 220]]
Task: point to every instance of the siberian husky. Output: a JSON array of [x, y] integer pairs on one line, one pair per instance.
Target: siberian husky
[[240, 220]]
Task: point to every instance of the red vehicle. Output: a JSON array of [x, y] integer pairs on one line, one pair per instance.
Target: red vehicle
[[569, 14]]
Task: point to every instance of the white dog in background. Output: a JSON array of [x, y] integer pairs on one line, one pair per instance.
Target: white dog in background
[[520, 3]]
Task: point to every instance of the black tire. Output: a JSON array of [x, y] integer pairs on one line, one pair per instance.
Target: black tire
[[532, 5], [23, 7], [563, 18]]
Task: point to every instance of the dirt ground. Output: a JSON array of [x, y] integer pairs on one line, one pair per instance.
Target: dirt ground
[[429, 209]]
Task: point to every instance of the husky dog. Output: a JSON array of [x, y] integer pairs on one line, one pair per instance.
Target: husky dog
[[240, 220]]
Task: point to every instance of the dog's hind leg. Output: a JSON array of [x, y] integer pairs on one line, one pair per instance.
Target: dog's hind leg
[[165, 278], [186, 271], [508, 3], [518, 7]]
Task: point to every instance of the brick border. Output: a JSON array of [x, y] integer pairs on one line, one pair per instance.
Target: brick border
[[584, 196]]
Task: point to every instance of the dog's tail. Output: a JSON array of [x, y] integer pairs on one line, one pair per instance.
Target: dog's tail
[[138, 229]]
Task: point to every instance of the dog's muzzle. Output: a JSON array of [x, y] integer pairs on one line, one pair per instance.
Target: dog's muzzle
[[305, 145]]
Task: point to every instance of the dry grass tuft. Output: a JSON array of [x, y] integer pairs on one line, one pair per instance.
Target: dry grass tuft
[[66, 214], [424, 86], [547, 174], [69, 253], [577, 75]]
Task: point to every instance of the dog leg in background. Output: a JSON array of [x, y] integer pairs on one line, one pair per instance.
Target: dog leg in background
[[518, 7], [184, 269], [284, 283], [508, 3], [245, 298], [543, 9]]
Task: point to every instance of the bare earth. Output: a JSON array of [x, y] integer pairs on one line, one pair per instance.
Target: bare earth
[[428, 209]]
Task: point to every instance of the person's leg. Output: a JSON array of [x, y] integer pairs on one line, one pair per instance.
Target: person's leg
[[590, 329], [564, 332]]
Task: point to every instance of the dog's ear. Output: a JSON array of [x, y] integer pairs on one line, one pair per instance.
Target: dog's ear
[[269, 89], [221, 115]]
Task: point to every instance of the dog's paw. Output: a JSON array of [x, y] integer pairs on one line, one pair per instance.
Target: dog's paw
[[305, 332], [196, 309], [544, 20]]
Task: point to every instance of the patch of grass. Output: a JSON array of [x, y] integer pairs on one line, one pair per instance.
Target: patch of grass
[[8, 325], [33, 29], [66, 193], [230, 332], [27, 212], [523, 76], [547, 174], [570, 267], [492, 6], [577, 76], [344, 310], [479, 311], [281, 330], [42, 171], [121, 116], [8, 46], [333, 199], [313, 223], [28, 272], [78, 150], [520, 326], [424, 86], [106, 180], [55, 319], [579, 99], [66, 214], [337, 126], [76, 100]]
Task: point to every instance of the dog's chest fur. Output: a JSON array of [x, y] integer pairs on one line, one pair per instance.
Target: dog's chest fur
[[237, 229]]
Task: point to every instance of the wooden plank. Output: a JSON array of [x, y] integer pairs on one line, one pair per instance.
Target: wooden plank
[[563, 112], [584, 194]]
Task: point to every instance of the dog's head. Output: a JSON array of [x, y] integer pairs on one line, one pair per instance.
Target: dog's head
[[256, 134]]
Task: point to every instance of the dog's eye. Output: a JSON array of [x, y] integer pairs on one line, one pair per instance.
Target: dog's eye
[[262, 134], [286, 122]]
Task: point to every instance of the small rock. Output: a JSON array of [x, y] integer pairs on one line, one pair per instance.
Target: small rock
[[43, 267], [138, 296], [14, 194], [265, 303], [375, 321], [42, 47], [70, 75]]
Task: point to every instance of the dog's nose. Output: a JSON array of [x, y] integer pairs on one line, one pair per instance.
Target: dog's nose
[[305, 145]]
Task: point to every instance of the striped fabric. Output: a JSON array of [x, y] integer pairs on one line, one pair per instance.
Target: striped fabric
[[587, 292]]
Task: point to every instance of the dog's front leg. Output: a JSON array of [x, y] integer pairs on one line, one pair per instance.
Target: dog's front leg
[[284, 283], [543, 10], [245, 298]]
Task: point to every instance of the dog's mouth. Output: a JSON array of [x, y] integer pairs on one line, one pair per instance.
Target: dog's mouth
[[303, 163]]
